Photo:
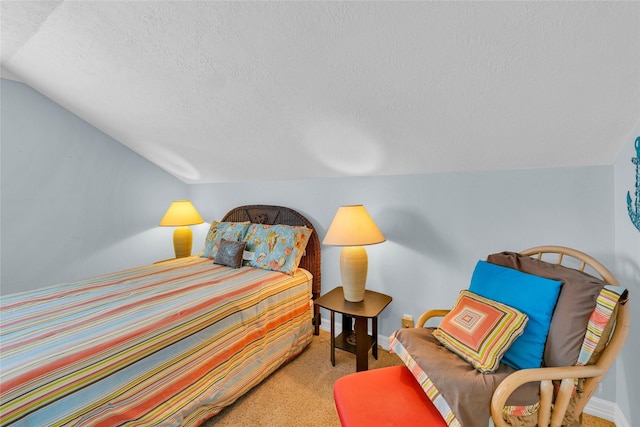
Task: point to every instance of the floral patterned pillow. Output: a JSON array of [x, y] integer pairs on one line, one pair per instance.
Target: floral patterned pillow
[[277, 247], [222, 230]]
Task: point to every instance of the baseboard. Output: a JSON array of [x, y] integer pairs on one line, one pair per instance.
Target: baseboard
[[600, 408], [606, 410]]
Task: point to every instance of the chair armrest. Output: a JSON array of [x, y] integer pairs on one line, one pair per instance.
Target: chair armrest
[[428, 315], [516, 379]]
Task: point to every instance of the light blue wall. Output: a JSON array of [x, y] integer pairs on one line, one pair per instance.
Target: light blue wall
[[75, 202], [627, 270], [438, 226]]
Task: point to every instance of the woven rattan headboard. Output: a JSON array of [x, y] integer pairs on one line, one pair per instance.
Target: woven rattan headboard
[[268, 214]]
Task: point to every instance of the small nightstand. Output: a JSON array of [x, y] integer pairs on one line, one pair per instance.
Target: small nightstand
[[369, 308]]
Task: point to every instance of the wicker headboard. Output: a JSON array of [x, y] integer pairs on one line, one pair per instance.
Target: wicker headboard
[[268, 214]]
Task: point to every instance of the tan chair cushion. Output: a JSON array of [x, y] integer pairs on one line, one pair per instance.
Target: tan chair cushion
[[467, 391]]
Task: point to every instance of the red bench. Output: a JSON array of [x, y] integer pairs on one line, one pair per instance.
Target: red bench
[[384, 397]]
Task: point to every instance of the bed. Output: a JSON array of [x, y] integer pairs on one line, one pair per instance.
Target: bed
[[171, 343]]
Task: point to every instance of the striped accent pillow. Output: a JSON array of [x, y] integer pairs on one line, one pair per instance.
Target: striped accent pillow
[[601, 323], [480, 330]]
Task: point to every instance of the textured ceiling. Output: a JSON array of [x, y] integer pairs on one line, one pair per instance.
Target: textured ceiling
[[236, 91]]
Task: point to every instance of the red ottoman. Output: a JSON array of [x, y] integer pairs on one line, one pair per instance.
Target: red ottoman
[[384, 397]]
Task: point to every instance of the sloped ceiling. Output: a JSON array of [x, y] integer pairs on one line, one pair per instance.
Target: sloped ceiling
[[237, 91]]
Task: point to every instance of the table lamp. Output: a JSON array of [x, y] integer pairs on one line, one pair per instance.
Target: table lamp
[[181, 214], [352, 227]]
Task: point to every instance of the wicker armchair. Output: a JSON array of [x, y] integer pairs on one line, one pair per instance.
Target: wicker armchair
[[552, 411]]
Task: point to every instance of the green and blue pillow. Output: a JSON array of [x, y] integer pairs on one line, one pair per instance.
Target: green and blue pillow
[[276, 247], [222, 231]]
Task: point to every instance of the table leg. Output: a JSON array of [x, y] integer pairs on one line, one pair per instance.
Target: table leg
[[347, 322], [333, 339], [362, 348], [374, 330]]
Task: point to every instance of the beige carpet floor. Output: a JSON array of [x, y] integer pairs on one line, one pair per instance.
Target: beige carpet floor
[[301, 392]]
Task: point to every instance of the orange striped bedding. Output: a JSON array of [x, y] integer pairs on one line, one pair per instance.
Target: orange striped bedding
[[167, 344]]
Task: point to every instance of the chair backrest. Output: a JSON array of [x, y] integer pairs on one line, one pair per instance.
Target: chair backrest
[[584, 260], [622, 324]]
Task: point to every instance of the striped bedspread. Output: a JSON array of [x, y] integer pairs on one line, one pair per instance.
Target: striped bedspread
[[166, 344]]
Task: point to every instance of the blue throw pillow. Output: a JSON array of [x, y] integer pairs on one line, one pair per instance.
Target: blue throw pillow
[[533, 295]]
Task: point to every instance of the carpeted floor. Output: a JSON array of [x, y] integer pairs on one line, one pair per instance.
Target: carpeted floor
[[301, 392]]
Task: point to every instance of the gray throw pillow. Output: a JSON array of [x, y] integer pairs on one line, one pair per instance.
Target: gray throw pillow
[[230, 253]]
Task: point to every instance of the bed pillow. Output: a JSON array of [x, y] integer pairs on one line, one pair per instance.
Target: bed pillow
[[533, 295], [480, 330], [277, 247], [222, 230], [576, 302], [230, 253]]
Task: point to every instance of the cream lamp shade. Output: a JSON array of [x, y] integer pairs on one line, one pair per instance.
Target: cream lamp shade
[[353, 228], [181, 214]]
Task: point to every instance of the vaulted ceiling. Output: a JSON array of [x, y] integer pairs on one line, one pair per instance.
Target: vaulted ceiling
[[237, 91]]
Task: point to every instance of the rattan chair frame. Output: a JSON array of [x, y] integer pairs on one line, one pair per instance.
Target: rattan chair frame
[[552, 411]]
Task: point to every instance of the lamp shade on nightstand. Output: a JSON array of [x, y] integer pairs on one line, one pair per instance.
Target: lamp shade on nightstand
[[353, 227], [181, 214]]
